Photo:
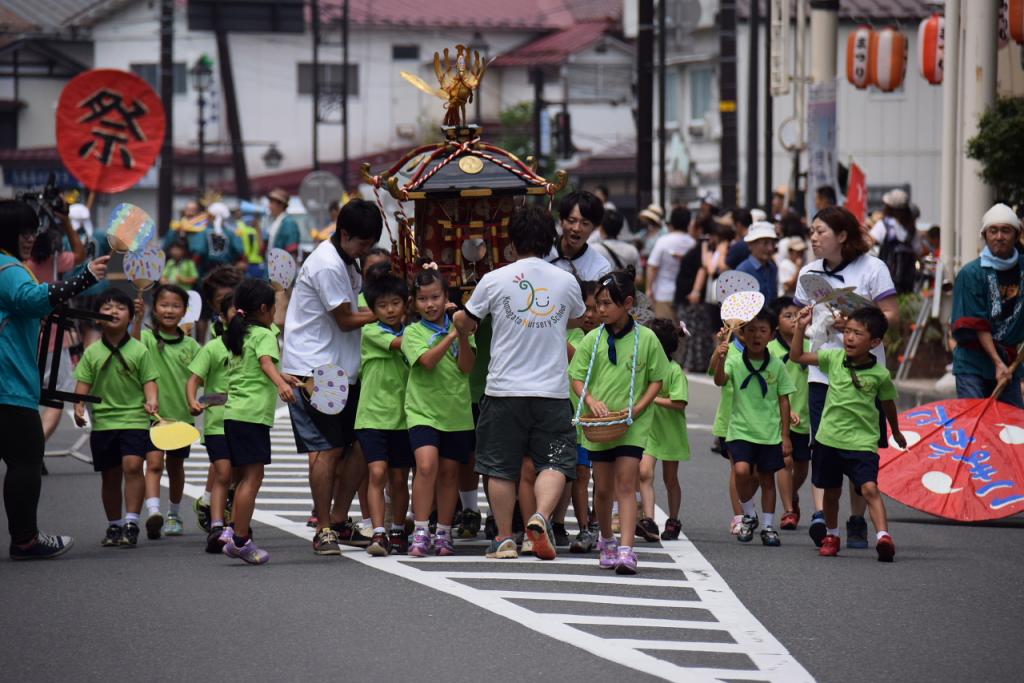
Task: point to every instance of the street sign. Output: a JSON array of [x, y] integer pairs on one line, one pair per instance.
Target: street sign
[[317, 190], [778, 24], [821, 139]]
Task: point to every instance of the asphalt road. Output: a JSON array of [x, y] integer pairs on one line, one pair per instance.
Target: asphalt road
[[948, 609]]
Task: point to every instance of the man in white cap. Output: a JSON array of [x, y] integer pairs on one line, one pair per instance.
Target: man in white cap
[[988, 311], [761, 239]]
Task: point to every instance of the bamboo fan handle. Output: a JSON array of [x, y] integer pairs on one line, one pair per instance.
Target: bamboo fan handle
[[1013, 368]]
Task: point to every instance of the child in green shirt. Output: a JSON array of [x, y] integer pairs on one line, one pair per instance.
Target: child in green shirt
[[254, 385], [438, 409], [758, 436], [604, 366], [580, 487], [119, 370], [667, 442], [847, 439], [180, 269], [380, 418], [171, 350], [719, 430]]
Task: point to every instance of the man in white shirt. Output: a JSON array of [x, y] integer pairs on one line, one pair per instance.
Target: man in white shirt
[[663, 263], [323, 326], [580, 213], [620, 254], [525, 409]]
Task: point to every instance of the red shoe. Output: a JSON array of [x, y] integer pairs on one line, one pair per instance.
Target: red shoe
[[789, 521], [885, 548], [830, 546]]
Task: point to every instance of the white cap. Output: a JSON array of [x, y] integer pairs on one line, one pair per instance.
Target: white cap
[[896, 199], [219, 210], [758, 216], [761, 230], [1000, 214]]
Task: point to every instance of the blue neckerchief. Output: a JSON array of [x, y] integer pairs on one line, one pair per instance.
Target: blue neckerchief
[[440, 331], [626, 329], [387, 328], [785, 356], [990, 260], [866, 365], [756, 372], [832, 273]]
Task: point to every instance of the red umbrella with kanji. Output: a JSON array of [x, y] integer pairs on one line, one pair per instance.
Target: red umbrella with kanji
[[964, 460]]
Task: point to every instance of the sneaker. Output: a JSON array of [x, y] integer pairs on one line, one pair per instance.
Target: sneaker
[[817, 530], [647, 529], [504, 549], [885, 548], [249, 552], [343, 530], [326, 542], [470, 526], [561, 535], [313, 522], [829, 546], [213, 542], [594, 527], [227, 536], [379, 545], [857, 533], [490, 528], [443, 544], [609, 553], [770, 537], [625, 562], [583, 543], [361, 537], [202, 511], [154, 523], [673, 527], [420, 545], [112, 537], [129, 535], [526, 547], [398, 541], [540, 532], [43, 547], [173, 525], [789, 521], [736, 524], [747, 527]]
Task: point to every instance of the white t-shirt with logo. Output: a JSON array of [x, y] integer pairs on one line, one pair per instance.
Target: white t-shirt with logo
[[587, 265], [311, 334], [666, 256], [530, 303]]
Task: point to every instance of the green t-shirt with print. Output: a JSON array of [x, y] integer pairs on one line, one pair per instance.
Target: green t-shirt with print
[[720, 427], [252, 397], [437, 398], [610, 382], [175, 271], [211, 365], [383, 376], [171, 357], [798, 400], [117, 378], [668, 439], [850, 419], [755, 416]]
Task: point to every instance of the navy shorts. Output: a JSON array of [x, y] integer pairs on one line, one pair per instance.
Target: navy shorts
[[583, 457], [315, 431], [248, 442], [612, 454], [217, 447], [801, 447], [177, 452], [108, 447], [390, 445], [830, 464], [457, 446], [767, 458]]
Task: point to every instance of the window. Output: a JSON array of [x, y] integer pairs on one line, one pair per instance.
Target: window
[[399, 52], [671, 96], [151, 74], [610, 82], [701, 83], [330, 79]]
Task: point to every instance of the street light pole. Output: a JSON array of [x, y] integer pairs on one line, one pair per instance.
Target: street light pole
[[202, 75]]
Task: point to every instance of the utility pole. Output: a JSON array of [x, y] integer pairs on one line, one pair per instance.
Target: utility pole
[[166, 185], [537, 78], [752, 109], [729, 178], [769, 115], [344, 96], [645, 105], [315, 21], [227, 78], [662, 40], [950, 153]]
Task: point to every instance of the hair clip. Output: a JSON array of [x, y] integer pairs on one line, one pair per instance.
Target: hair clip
[[240, 312]]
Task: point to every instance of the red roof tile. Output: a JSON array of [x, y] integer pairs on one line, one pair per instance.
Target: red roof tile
[[522, 14], [555, 48]]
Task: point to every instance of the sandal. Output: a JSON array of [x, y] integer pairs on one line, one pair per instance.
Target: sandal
[[789, 521]]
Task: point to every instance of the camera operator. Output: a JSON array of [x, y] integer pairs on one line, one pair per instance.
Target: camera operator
[[23, 303]]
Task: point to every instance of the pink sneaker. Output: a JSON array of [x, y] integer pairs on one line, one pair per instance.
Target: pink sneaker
[[249, 552], [625, 563], [609, 551], [420, 546]]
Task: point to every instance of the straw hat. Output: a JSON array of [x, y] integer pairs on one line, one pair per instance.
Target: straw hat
[[896, 199], [760, 231], [279, 195], [653, 213]]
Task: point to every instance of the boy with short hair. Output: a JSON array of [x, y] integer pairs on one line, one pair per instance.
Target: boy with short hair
[[847, 439], [119, 370], [758, 434]]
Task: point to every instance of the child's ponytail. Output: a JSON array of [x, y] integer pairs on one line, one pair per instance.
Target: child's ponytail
[[250, 297]]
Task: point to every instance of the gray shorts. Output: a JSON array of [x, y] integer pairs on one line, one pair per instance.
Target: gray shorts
[[513, 427]]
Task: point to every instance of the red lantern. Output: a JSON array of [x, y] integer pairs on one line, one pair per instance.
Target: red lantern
[[930, 41], [887, 61], [1015, 16], [857, 54]]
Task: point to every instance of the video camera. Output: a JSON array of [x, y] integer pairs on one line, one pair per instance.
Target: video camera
[[49, 207]]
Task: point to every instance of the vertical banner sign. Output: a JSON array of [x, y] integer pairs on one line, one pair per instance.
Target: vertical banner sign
[[821, 139], [779, 26], [857, 193]]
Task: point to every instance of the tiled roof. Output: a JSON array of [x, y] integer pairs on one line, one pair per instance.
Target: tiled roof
[[48, 16], [858, 10], [492, 14], [556, 47]]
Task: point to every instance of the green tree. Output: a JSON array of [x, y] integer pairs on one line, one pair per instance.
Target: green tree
[[999, 147]]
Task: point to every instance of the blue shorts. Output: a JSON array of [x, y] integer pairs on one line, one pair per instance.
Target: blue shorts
[[767, 458], [583, 457], [217, 447], [108, 447], [830, 464], [612, 454], [457, 446], [390, 445], [801, 447], [248, 442]]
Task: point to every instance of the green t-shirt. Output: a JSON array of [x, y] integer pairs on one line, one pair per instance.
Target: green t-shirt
[[384, 374], [755, 417], [118, 384], [668, 439], [610, 383], [575, 337], [211, 365], [252, 397], [171, 359], [361, 302], [850, 419], [437, 398], [798, 400], [720, 427], [174, 271]]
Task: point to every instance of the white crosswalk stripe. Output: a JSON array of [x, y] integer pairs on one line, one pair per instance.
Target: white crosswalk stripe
[[677, 619]]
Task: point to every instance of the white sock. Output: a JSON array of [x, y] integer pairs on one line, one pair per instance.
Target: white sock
[[625, 548], [175, 508], [131, 517], [881, 534], [153, 504], [638, 499], [748, 507], [379, 530], [206, 498], [615, 507], [116, 522], [216, 522], [399, 527], [420, 525], [444, 529], [470, 501], [608, 540], [832, 532], [768, 518]]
